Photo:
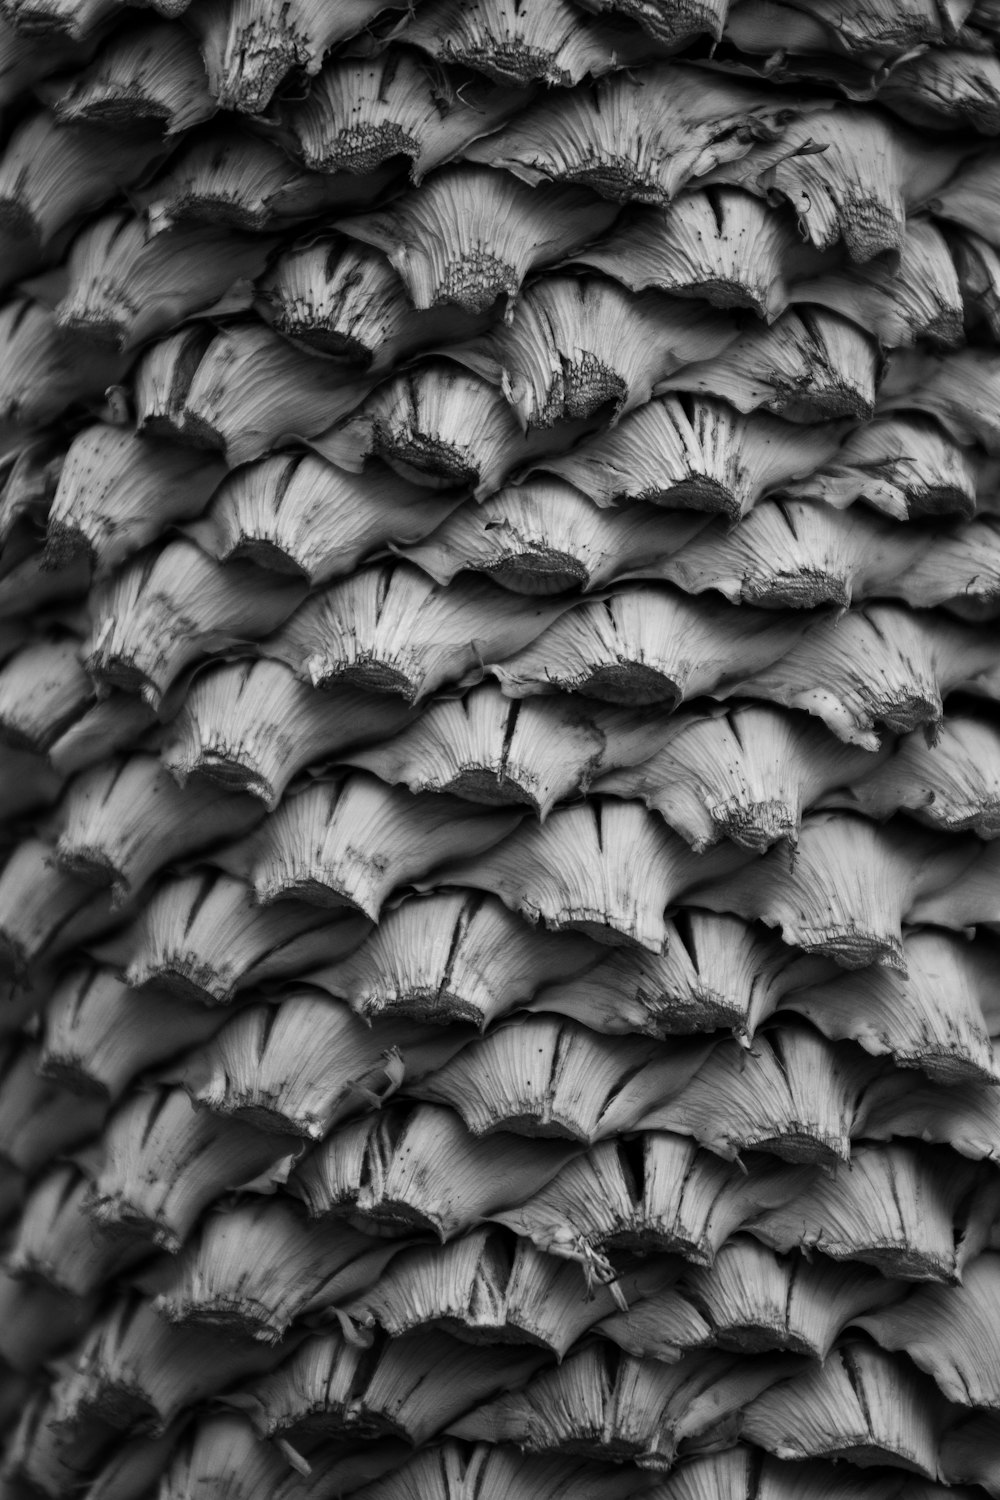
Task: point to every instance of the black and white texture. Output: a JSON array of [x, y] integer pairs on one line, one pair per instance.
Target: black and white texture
[[500, 749]]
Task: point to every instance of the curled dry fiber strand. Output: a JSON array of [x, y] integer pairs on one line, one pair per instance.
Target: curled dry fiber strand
[[499, 749]]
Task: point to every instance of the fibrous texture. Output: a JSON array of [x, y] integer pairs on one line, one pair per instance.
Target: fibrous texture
[[499, 749]]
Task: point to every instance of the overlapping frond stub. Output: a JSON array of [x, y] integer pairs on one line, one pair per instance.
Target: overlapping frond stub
[[499, 759]]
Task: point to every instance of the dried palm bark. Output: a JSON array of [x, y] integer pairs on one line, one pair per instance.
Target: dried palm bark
[[895, 1209], [662, 1194], [161, 1163], [472, 235], [605, 868], [949, 1332], [410, 1387], [451, 957], [614, 1407], [485, 1289], [717, 972], [939, 1015], [48, 371], [149, 72], [543, 536], [519, 43], [871, 173], [100, 1035], [499, 582], [756, 1300], [360, 114], [58, 1243], [45, 911], [860, 1406], [117, 493], [250, 1273], [242, 178], [50, 175], [169, 608], [548, 1077], [388, 628], [120, 822], [135, 1371], [256, 1070], [701, 454], [339, 297], [203, 938], [354, 843], [125, 286], [54, 18], [252, 725], [635, 139], [301, 515], [229, 399], [433, 1176], [249, 46], [576, 346]]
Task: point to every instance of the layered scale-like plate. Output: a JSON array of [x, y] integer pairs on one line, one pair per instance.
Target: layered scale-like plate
[[499, 749]]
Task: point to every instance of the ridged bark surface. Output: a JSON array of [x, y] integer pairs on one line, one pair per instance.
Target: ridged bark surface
[[499, 749]]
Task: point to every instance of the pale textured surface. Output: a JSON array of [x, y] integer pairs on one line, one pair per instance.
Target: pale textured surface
[[499, 760]]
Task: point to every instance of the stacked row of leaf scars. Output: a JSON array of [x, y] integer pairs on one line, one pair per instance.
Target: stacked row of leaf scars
[[500, 750]]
